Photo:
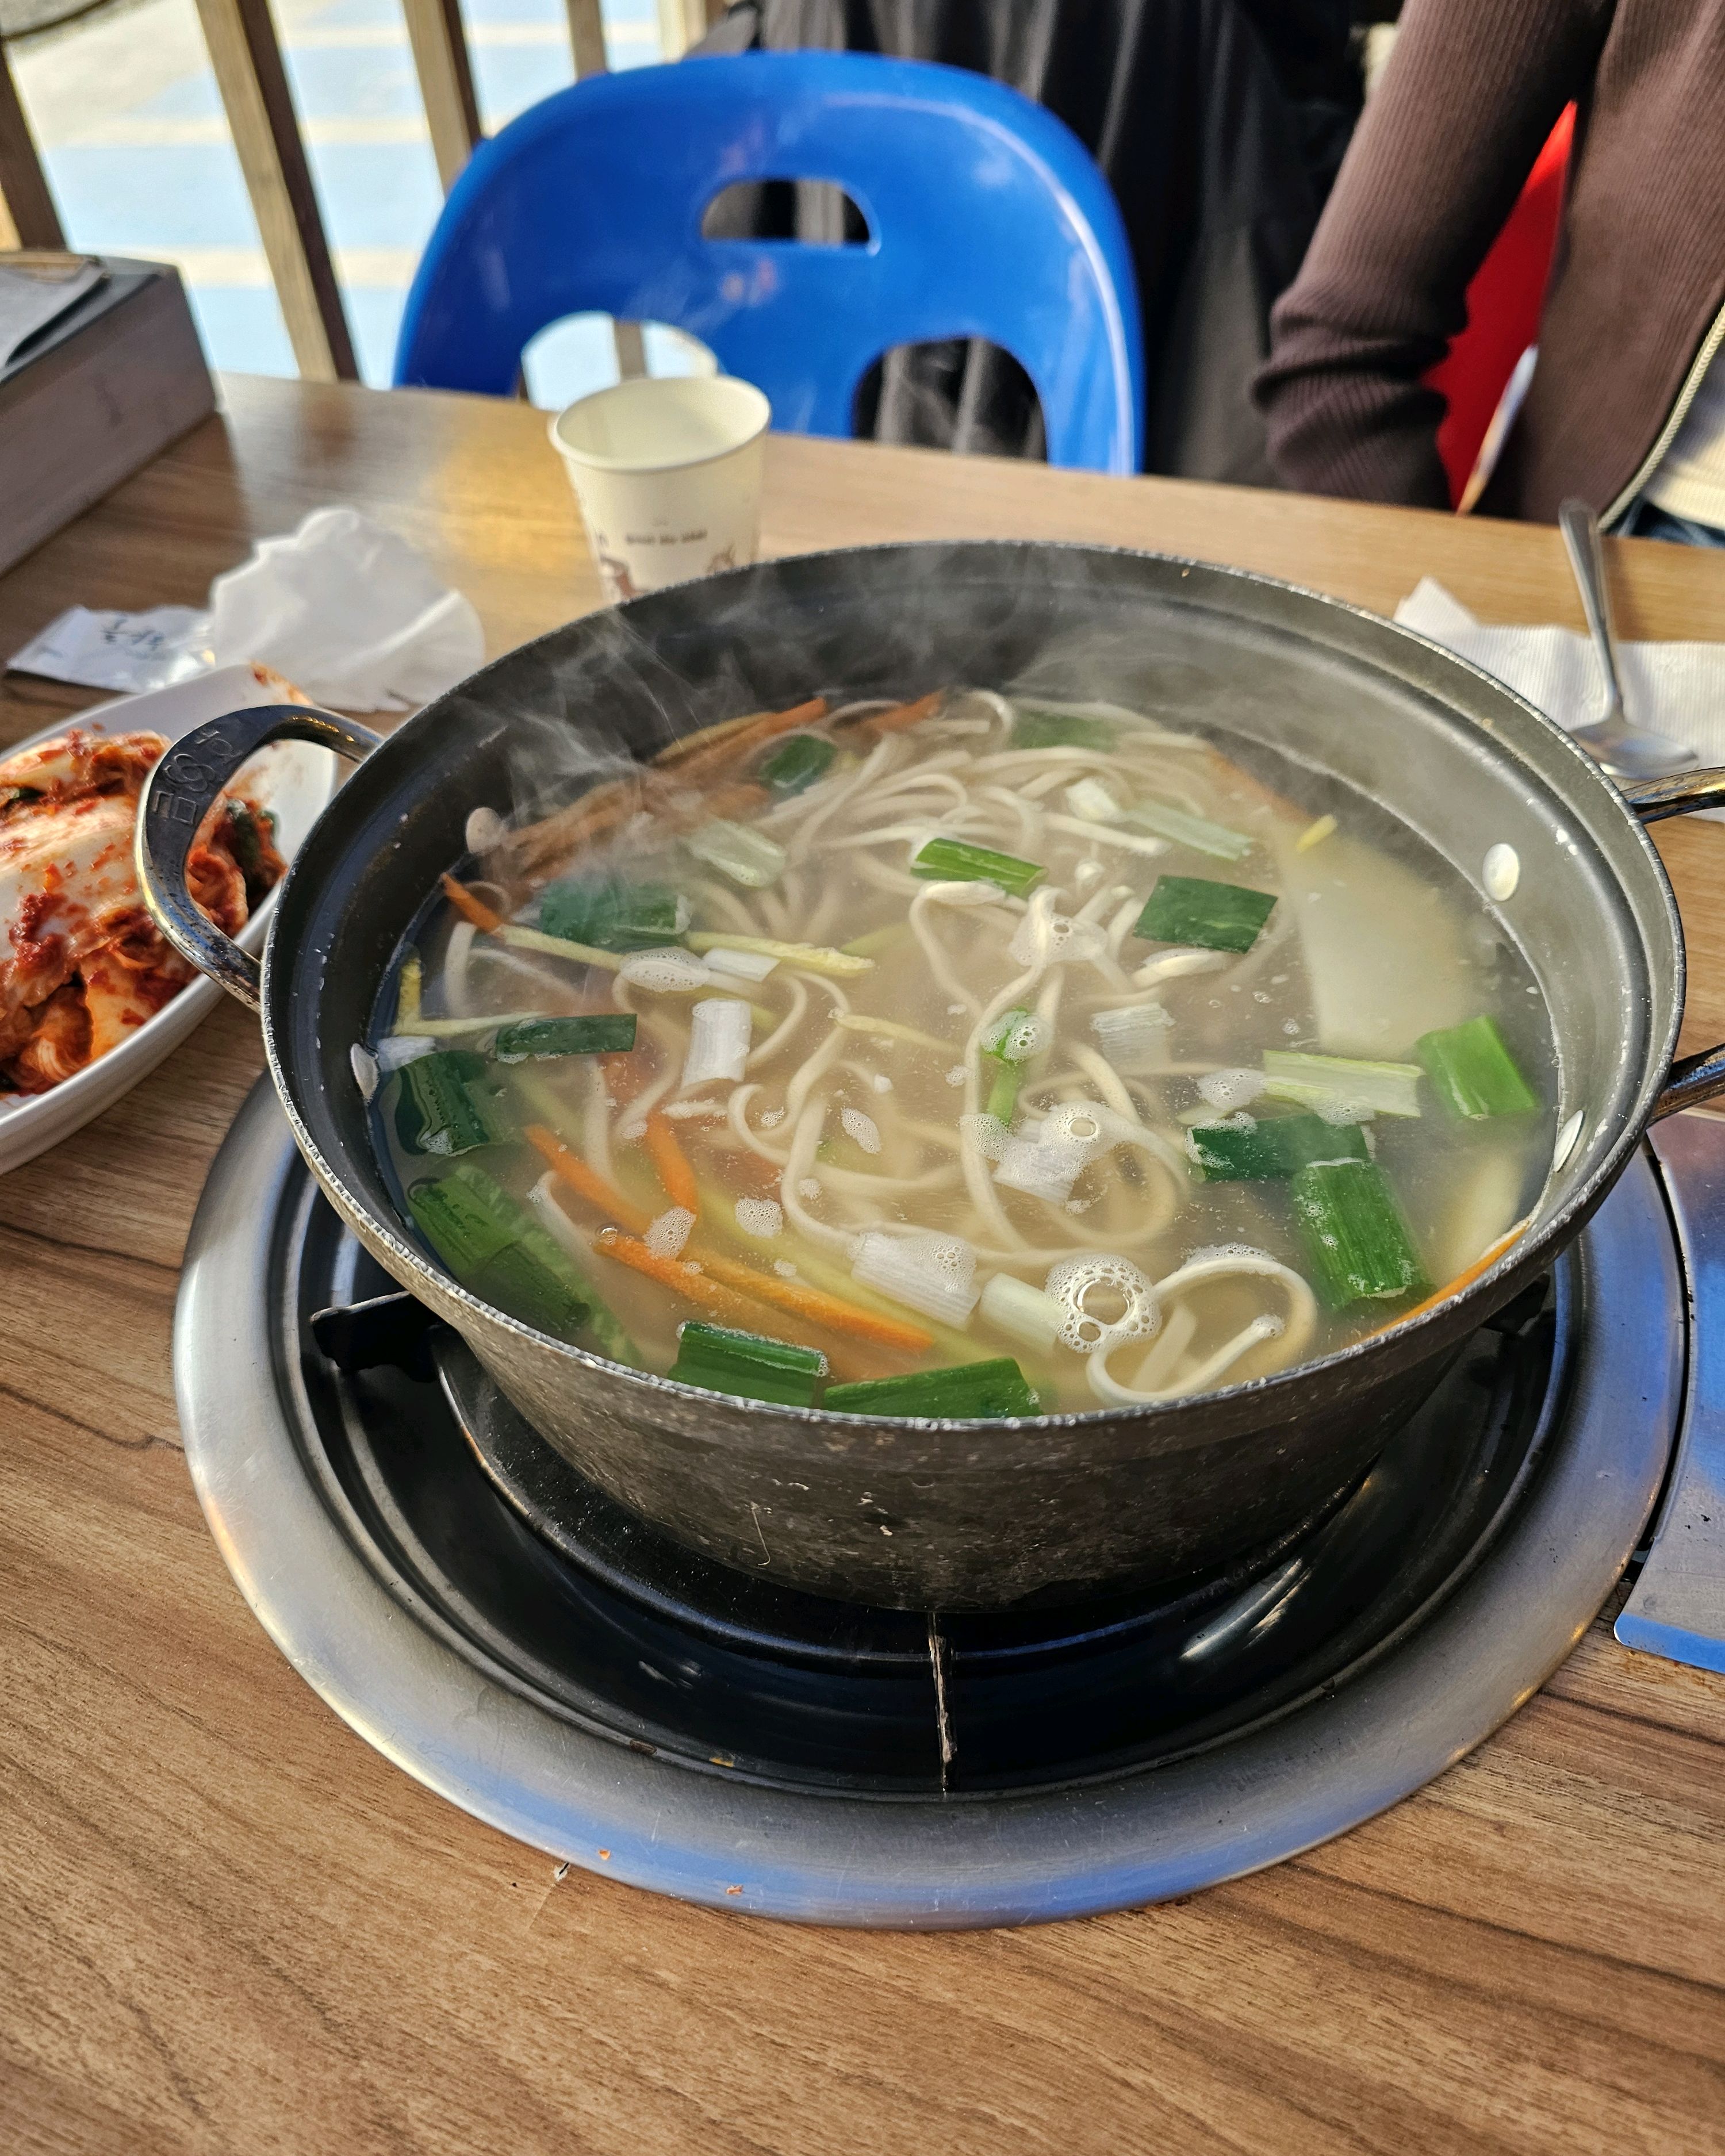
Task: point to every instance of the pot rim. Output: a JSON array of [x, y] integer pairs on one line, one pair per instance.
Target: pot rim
[[1395, 1345]]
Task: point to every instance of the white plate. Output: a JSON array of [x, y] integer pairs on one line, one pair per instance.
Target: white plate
[[293, 779]]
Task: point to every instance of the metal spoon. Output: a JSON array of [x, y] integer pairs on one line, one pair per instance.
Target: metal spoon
[[1611, 740]]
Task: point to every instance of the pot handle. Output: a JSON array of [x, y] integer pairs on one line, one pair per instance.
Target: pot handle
[[1693, 1078], [177, 796]]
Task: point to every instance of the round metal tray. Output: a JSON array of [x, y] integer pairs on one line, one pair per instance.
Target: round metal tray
[[363, 1629]]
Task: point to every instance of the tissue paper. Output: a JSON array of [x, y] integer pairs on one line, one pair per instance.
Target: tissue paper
[[353, 613], [349, 611], [1677, 688]]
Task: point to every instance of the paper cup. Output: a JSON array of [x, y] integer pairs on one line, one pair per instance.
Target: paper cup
[[668, 474]]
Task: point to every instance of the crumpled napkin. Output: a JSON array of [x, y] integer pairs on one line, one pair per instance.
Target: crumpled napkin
[[351, 611], [1675, 689], [348, 611]]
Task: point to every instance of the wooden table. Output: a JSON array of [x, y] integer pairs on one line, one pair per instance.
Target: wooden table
[[227, 1925]]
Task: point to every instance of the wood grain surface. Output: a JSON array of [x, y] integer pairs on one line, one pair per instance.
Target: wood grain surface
[[228, 1925]]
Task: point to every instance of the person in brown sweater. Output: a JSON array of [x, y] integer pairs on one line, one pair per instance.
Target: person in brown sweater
[[1622, 410]]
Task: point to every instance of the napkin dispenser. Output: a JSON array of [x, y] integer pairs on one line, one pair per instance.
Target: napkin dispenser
[[101, 368]]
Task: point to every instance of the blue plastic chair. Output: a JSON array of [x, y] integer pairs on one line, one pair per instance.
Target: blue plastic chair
[[987, 218]]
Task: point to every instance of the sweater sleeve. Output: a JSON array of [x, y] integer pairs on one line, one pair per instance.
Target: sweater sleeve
[[1471, 91]]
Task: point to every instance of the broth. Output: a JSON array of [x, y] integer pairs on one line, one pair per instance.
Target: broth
[[988, 1056]]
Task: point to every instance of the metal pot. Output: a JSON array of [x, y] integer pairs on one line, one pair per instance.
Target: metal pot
[[969, 1515]]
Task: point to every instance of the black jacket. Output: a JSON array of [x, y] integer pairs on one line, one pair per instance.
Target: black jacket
[[1219, 124]]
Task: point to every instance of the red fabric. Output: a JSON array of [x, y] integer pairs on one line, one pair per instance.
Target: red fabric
[[1503, 304]]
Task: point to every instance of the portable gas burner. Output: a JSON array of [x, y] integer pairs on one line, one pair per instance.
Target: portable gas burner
[[522, 1645]]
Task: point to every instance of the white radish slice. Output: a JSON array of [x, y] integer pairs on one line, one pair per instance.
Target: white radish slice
[[718, 1041]]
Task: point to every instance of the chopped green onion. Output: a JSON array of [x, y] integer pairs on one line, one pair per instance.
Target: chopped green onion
[[1355, 1237], [244, 840], [249, 830], [1092, 802], [1111, 834], [1033, 727], [1133, 1034], [1473, 1072], [1216, 916], [606, 1034], [973, 1389], [889, 1029], [1314, 835], [749, 858], [1270, 1145], [716, 1221], [1197, 832], [1002, 1100], [955, 860], [719, 1029], [534, 1281], [795, 764], [602, 1320], [498, 1251], [444, 1104], [1011, 1041], [409, 985], [740, 965], [397, 1050], [1026, 1313], [558, 947], [748, 1364], [812, 957], [927, 1271], [870, 946], [452, 1028], [612, 915], [1321, 1082], [672, 971], [466, 1217], [1015, 1036]]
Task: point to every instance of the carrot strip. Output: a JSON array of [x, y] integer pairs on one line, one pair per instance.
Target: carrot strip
[[598, 815], [731, 1306], [1466, 1278], [901, 714], [555, 836], [728, 799], [671, 1164], [742, 793], [1245, 782], [736, 745], [821, 1309], [724, 801], [570, 1168], [602, 817], [605, 818], [473, 909], [626, 1076], [686, 1280], [701, 756], [706, 737], [748, 1176]]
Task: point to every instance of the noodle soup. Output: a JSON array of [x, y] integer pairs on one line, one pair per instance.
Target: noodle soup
[[978, 1057]]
